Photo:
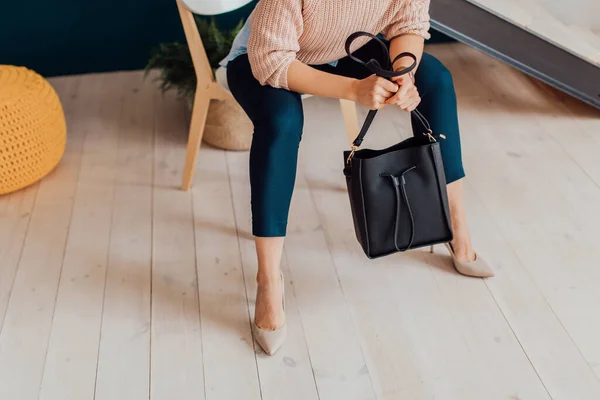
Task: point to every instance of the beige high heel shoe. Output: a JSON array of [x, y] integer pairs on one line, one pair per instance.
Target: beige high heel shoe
[[271, 341], [477, 268]]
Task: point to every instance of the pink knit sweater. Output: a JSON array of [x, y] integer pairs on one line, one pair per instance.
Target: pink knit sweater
[[314, 31]]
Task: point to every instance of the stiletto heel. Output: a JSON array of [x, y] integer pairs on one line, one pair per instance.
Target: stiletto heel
[[431, 249], [477, 268], [271, 341]]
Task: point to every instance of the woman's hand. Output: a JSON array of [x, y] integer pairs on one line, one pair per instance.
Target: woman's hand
[[407, 98], [373, 92]]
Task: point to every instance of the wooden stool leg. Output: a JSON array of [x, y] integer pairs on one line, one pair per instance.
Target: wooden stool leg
[[350, 118], [199, 112]]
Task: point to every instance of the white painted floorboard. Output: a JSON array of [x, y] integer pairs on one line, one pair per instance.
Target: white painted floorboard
[[72, 355], [177, 367], [124, 356], [114, 284]]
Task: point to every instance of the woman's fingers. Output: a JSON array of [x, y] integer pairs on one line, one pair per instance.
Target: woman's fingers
[[406, 91], [403, 101], [387, 85], [411, 104], [401, 96], [408, 100], [377, 102], [385, 92], [395, 99], [381, 91]]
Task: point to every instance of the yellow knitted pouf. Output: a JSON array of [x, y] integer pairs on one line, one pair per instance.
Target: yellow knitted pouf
[[32, 128]]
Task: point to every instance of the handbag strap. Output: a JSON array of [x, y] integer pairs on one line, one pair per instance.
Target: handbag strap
[[401, 194], [387, 72]]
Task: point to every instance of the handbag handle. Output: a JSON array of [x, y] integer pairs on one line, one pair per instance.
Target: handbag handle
[[387, 72], [400, 189]]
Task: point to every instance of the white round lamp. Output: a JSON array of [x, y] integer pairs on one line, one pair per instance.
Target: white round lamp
[[214, 7]]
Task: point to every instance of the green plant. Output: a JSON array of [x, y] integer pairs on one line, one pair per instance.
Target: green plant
[[174, 61], [216, 42]]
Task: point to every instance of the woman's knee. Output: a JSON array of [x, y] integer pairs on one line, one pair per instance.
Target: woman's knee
[[277, 114], [433, 76], [282, 124]]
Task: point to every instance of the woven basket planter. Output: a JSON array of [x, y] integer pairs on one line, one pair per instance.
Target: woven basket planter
[[227, 126]]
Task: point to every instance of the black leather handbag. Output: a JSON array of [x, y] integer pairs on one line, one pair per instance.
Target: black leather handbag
[[397, 195]]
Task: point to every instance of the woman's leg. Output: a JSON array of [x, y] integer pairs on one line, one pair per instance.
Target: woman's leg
[[278, 120], [438, 105]]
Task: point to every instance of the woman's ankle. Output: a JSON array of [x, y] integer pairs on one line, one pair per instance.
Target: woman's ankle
[[269, 313], [268, 277], [463, 250], [269, 252]]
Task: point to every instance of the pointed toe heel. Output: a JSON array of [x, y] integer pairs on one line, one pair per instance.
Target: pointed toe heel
[[477, 268], [271, 341]]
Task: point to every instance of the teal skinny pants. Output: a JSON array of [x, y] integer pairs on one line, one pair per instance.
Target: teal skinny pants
[[278, 120]]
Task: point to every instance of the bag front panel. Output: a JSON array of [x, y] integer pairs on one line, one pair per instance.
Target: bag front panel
[[423, 192]]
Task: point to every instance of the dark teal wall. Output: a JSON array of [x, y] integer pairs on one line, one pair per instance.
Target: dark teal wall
[[62, 37]]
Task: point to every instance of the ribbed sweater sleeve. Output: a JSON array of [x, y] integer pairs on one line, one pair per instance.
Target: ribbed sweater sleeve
[[411, 19], [276, 26]]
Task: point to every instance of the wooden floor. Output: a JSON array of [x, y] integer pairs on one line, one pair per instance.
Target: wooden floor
[[115, 285]]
